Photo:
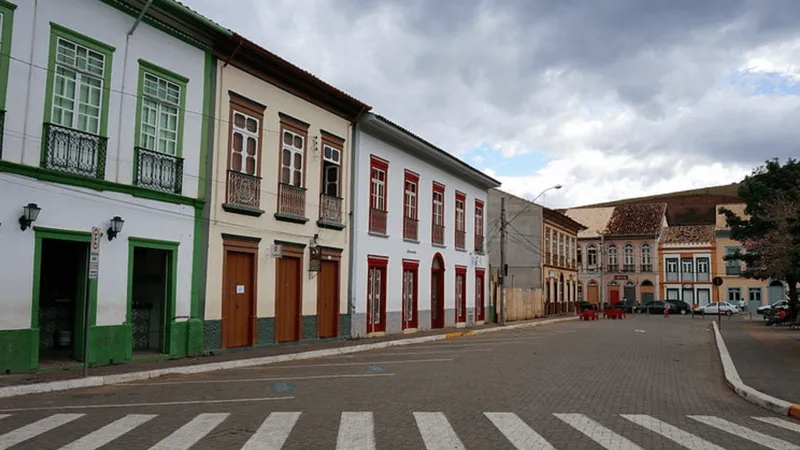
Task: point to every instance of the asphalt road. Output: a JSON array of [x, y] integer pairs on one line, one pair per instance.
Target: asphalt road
[[644, 382]]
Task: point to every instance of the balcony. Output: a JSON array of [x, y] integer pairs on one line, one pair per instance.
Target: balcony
[[647, 267], [672, 276], [377, 221], [437, 234], [548, 258], [733, 270], [244, 194], [158, 171], [562, 261], [410, 229], [330, 212], [291, 203], [2, 130], [74, 152], [629, 268], [687, 276], [461, 238], [703, 276], [479, 244]]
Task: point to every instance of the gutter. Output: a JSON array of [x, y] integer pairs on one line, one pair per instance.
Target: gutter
[[139, 19]]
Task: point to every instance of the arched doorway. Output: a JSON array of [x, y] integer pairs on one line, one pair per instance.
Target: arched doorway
[[776, 291], [592, 292], [579, 291], [613, 292], [560, 306], [630, 291], [648, 291], [437, 291]]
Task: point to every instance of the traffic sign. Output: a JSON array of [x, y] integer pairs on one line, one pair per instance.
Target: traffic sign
[[94, 253], [717, 281]]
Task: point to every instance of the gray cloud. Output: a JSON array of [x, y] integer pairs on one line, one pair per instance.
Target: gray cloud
[[628, 79]]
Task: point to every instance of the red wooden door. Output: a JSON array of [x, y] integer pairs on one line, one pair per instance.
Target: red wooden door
[[238, 299], [480, 312], [410, 292], [461, 294], [287, 299], [328, 300], [376, 298], [613, 296], [437, 292]]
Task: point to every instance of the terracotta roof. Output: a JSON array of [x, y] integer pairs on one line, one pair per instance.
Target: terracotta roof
[[595, 220], [559, 218], [690, 234], [636, 219], [737, 208]]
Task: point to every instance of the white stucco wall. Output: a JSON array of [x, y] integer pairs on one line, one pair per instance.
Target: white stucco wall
[[266, 227], [77, 209], [397, 249], [693, 284], [25, 102]]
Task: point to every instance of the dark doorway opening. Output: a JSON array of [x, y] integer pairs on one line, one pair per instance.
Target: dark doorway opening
[[150, 310], [437, 292], [63, 285]]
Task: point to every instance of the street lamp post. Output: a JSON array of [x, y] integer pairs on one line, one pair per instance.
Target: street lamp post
[[503, 223]]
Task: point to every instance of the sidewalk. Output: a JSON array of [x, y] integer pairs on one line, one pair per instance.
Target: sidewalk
[[767, 358], [19, 379]]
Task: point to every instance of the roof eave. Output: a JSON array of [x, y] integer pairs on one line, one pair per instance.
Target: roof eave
[[383, 128]]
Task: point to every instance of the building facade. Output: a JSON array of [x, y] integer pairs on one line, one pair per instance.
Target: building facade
[[103, 127], [589, 253], [278, 249], [630, 252], [560, 264], [419, 225], [735, 287], [687, 255]]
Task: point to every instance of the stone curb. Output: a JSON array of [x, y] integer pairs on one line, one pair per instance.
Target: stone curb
[[53, 386], [746, 392]]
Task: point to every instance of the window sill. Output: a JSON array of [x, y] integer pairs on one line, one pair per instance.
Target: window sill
[[463, 250], [438, 245], [244, 210], [330, 225], [411, 241], [290, 218], [380, 235]]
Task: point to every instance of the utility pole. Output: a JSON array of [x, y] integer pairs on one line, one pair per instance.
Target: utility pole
[[600, 261], [502, 302]]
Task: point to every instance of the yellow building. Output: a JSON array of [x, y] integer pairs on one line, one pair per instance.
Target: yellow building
[[560, 262], [735, 287]]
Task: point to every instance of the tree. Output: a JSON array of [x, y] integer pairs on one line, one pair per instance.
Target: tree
[[770, 234]]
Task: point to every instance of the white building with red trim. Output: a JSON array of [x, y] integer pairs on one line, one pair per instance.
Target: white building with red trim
[[418, 229]]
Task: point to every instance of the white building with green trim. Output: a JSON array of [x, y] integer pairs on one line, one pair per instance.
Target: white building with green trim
[[106, 113]]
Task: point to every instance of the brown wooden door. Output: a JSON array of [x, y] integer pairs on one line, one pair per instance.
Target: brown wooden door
[[410, 308], [376, 299], [287, 299], [328, 300], [238, 301], [461, 296], [480, 313]]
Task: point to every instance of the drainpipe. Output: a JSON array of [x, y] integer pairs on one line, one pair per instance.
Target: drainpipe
[[141, 16], [30, 83], [206, 211]]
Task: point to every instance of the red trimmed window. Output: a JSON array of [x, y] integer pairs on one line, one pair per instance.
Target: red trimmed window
[[479, 226], [461, 220], [410, 206], [379, 175], [461, 294], [437, 227]]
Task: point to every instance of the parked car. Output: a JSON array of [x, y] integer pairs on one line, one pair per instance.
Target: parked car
[[783, 304], [679, 307], [582, 306], [652, 307], [627, 306], [726, 308]]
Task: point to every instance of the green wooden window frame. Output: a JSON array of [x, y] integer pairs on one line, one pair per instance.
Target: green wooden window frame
[[6, 29], [172, 289], [151, 72], [60, 32], [751, 291]]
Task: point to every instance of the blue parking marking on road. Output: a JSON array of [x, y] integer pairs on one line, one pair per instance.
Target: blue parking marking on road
[[282, 387], [380, 369]]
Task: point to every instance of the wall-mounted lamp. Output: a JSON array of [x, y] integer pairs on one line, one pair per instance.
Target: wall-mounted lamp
[[30, 213], [115, 228]]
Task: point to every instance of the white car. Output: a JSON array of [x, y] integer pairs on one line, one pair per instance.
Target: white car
[[720, 308]]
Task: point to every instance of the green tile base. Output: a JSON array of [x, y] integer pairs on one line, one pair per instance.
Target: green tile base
[[19, 350]]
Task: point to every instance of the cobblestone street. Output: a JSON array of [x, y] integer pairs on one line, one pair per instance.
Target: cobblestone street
[[644, 382]]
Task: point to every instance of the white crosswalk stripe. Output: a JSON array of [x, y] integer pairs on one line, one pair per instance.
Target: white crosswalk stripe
[[672, 433], [191, 433], [794, 426], [746, 433], [356, 431], [272, 434], [597, 432], [30, 431], [109, 432], [437, 434], [518, 432]]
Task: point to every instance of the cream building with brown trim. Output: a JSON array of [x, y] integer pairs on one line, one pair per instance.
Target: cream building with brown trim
[[589, 251], [560, 261], [278, 246]]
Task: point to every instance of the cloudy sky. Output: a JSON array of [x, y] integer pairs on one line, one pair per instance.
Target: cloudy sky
[[610, 98]]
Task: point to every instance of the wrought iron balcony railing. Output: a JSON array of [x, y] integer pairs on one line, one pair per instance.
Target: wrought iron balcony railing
[[330, 209], [647, 267], [672, 276], [703, 276], [72, 151], [437, 234], [291, 200], [410, 229], [629, 268], [244, 190], [159, 171], [479, 244], [461, 239], [377, 221]]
